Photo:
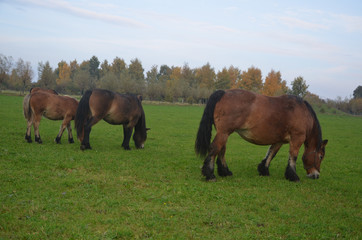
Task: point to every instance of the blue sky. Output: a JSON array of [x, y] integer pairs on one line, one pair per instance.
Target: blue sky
[[318, 40]]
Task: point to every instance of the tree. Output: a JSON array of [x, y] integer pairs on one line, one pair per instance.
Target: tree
[[274, 85], [357, 93], [25, 73], [6, 64], [94, 67], [251, 80], [109, 81], [206, 78], [136, 76], [223, 79], [82, 79], [299, 87], [47, 78], [118, 66], [63, 74], [235, 76]]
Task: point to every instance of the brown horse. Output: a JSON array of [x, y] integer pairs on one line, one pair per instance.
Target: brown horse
[[260, 120], [52, 106], [115, 109]]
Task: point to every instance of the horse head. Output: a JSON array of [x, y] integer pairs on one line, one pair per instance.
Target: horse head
[[312, 160]]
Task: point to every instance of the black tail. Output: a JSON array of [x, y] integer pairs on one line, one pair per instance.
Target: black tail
[[203, 138], [82, 114]]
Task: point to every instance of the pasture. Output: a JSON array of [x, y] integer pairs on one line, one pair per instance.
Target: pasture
[[52, 191]]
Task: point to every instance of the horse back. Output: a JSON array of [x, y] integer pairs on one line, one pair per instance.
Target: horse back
[[261, 119]]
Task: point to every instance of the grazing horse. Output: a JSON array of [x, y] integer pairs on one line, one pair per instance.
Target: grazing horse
[[261, 120], [115, 109], [52, 106]]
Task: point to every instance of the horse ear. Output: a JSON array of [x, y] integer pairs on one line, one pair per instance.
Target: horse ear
[[140, 97], [147, 129], [324, 143]]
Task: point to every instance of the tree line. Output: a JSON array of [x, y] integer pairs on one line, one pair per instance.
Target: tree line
[[164, 83]]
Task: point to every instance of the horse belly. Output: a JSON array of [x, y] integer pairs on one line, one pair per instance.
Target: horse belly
[[262, 138], [115, 119]]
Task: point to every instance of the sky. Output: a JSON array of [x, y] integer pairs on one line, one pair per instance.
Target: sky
[[320, 40]]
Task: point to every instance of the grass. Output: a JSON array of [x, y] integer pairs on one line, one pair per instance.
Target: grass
[[52, 191]]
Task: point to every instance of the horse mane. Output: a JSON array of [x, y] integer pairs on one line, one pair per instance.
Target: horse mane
[[141, 124], [317, 126]]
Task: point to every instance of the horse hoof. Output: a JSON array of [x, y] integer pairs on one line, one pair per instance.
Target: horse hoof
[[263, 171], [84, 147], [57, 140], [71, 140], [291, 175]]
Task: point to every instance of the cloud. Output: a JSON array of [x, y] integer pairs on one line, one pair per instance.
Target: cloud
[[67, 7], [295, 22]]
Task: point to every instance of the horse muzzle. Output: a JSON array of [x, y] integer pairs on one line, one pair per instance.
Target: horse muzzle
[[314, 174]]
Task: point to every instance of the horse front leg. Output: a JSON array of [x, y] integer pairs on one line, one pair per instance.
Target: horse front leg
[[291, 170], [222, 167], [263, 167], [209, 162], [127, 133]]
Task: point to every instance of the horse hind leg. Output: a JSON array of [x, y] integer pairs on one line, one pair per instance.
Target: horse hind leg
[[70, 135], [59, 136], [36, 124], [222, 168], [28, 131], [87, 129], [263, 167], [209, 162]]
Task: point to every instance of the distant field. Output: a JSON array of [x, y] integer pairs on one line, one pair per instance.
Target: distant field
[[52, 191]]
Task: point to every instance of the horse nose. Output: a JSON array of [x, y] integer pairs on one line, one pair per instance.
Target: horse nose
[[313, 175]]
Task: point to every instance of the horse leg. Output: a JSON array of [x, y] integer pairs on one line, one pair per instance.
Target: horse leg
[[70, 135], [222, 168], [36, 124], [217, 144], [127, 133], [291, 170], [263, 166], [28, 131]]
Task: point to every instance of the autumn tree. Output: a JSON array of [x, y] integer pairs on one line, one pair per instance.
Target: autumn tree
[[206, 79], [118, 66], [299, 87], [74, 66], [234, 76], [223, 79], [63, 74], [251, 80], [274, 85], [47, 79]]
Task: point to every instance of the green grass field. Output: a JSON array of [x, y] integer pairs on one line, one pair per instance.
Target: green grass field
[[52, 191]]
